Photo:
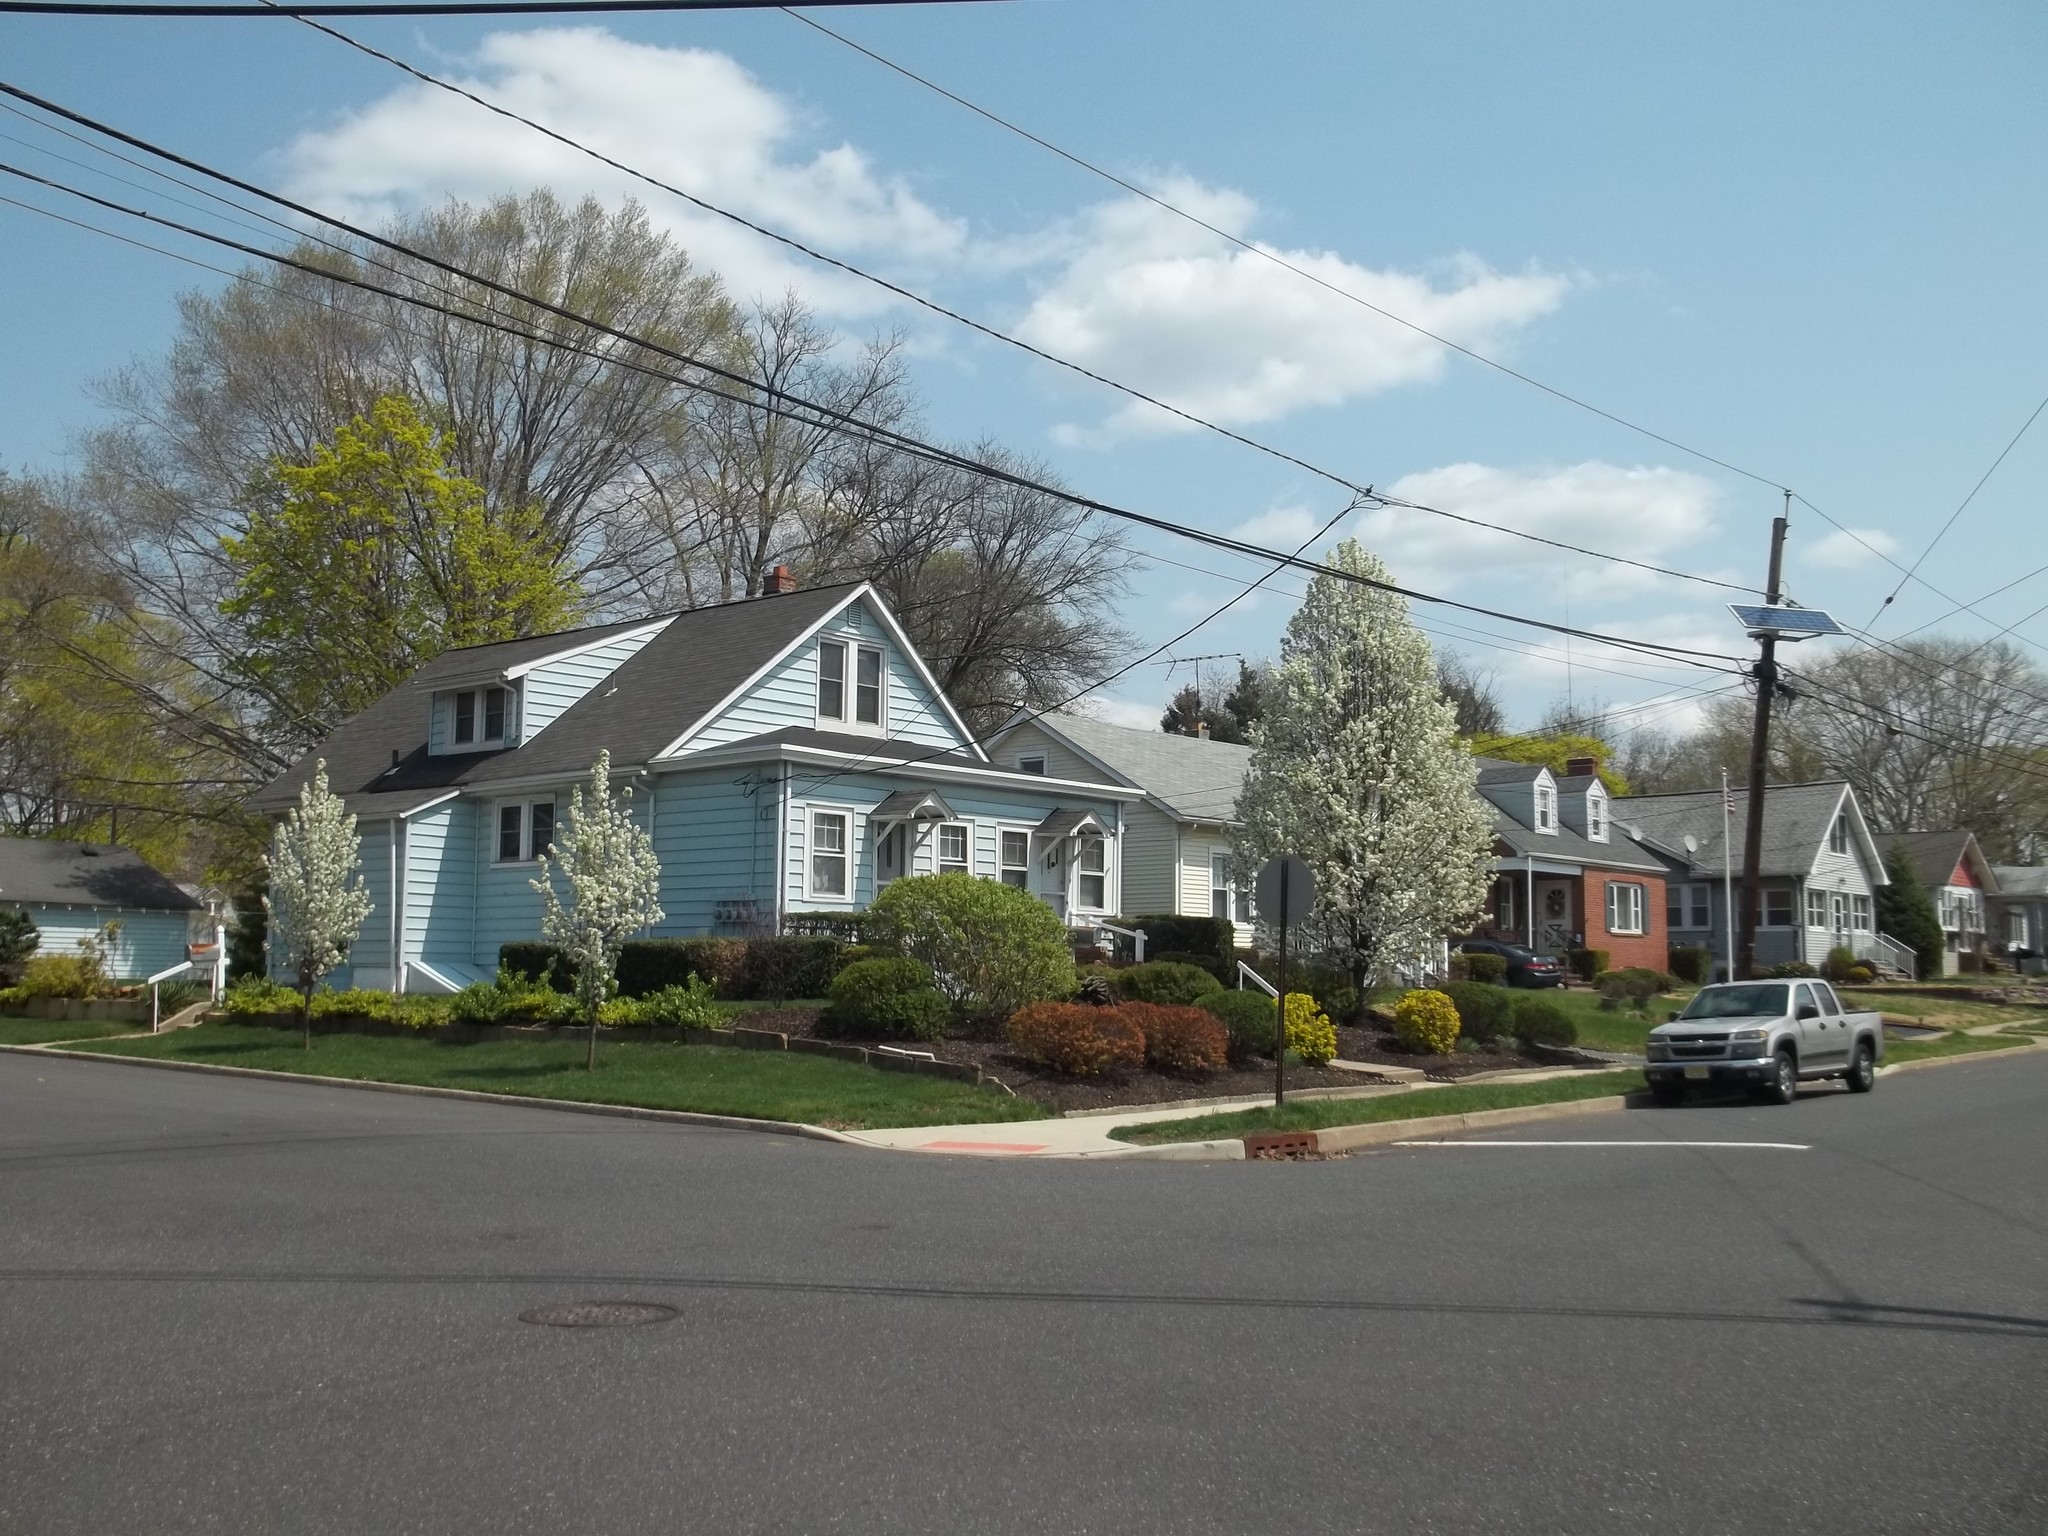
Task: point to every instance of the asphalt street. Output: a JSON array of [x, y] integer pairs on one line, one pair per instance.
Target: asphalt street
[[232, 1306]]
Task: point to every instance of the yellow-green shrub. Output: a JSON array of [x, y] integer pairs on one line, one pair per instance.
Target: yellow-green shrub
[[1427, 1021], [1310, 1034]]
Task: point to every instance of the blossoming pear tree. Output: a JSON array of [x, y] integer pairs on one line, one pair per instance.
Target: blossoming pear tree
[[318, 900], [607, 862], [1357, 767]]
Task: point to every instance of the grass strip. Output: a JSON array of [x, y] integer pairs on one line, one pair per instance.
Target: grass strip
[[45, 1031], [1949, 1045], [715, 1080], [1320, 1114]]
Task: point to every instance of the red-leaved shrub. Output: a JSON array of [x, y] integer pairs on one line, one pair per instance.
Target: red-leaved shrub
[[1180, 1039], [1076, 1039]]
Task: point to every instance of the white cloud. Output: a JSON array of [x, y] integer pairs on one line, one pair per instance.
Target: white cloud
[[1114, 711], [1224, 333], [691, 117], [1847, 548]]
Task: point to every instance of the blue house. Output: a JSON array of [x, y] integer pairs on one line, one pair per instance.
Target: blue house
[[789, 754], [73, 891]]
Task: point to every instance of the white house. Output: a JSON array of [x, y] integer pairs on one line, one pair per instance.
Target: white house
[[1960, 881]]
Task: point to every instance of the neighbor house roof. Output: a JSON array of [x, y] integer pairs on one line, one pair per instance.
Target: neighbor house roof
[[700, 658], [1618, 852], [1935, 855], [2022, 880], [1796, 822], [35, 872], [1191, 777]]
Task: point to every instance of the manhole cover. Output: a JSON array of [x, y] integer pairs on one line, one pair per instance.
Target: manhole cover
[[598, 1314]]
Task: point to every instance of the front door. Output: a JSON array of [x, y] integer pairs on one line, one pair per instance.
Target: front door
[[1554, 924], [889, 855], [1050, 881]]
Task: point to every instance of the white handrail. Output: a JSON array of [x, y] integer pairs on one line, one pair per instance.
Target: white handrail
[[155, 1011], [1135, 935], [181, 966], [1244, 971]]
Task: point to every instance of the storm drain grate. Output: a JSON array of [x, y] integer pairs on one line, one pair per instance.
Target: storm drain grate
[[598, 1314]]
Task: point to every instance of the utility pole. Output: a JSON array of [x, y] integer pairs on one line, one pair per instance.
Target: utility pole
[[1759, 749]]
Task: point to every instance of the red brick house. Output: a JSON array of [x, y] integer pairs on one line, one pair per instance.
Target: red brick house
[[1565, 876]]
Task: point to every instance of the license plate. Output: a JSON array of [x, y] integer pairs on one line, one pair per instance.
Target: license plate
[[1699, 1074]]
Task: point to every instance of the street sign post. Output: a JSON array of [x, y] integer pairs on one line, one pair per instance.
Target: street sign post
[[1286, 891]]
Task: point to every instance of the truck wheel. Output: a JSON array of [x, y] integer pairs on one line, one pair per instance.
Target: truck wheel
[[1783, 1087], [1668, 1094], [1862, 1069]]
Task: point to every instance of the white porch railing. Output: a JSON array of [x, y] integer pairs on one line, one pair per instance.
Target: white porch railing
[[1135, 935], [155, 1010], [1246, 974], [1900, 957]]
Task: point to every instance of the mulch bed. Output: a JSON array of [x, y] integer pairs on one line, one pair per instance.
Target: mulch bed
[[1147, 1085]]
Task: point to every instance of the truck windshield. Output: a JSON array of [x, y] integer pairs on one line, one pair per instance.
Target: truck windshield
[[1737, 1002]]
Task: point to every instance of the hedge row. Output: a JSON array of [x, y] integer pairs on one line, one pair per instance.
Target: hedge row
[[764, 969]]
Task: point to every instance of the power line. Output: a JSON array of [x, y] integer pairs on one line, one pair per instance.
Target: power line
[[844, 421], [292, 8], [790, 242], [1278, 260]]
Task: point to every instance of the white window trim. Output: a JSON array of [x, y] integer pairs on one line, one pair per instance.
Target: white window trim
[[524, 804], [879, 726], [1791, 908], [938, 844], [1838, 833], [1024, 758], [1076, 874], [1816, 909], [1596, 814], [825, 721], [1023, 829], [1640, 901], [851, 853], [1546, 809]]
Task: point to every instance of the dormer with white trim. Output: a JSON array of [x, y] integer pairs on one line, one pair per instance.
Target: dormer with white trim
[[1526, 791], [496, 710], [1582, 800]]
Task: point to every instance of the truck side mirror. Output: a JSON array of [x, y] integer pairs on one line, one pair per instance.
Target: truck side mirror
[[1808, 1011], [1673, 1017]]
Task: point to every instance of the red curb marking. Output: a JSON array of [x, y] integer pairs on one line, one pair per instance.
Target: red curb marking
[[982, 1146]]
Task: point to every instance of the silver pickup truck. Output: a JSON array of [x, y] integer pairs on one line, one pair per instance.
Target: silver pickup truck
[[1766, 1036]]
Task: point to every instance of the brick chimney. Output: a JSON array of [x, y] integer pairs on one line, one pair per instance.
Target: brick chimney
[[1581, 767], [781, 579]]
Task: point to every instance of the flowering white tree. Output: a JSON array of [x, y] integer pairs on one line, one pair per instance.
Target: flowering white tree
[[614, 885], [317, 899], [1357, 767]]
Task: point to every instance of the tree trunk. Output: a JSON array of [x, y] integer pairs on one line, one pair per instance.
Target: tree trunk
[[306, 1017], [590, 1056]]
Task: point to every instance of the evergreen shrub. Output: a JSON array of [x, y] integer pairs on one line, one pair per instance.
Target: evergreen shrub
[[1249, 1018], [1075, 1039], [887, 998], [1165, 981], [1586, 963], [1689, 962], [1484, 1012], [1538, 1021], [1484, 965], [992, 948], [1174, 933]]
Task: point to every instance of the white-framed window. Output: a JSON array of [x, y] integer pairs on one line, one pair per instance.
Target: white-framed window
[[1505, 902], [1625, 907], [524, 830], [1219, 885], [1689, 906], [828, 871], [1596, 813], [1859, 913], [481, 717], [1778, 906], [1546, 806], [1014, 856], [1838, 834], [1032, 762], [955, 848], [1092, 890], [1838, 911], [2016, 929], [1816, 909], [831, 679], [867, 686]]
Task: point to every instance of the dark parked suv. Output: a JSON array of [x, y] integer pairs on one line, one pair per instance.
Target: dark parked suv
[[1526, 968]]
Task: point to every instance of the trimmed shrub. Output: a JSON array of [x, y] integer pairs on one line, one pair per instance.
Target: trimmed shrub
[[1075, 1039], [992, 948], [1165, 981], [1837, 964], [1172, 933], [888, 998], [847, 927], [1484, 1012], [1225, 971], [12, 998], [79, 975], [647, 966], [413, 1011], [1538, 1021], [792, 966], [534, 960], [1861, 974], [693, 1005], [1330, 985], [1791, 970], [1180, 1039], [1689, 962], [1248, 1018], [1586, 963], [1427, 1022], [256, 995], [1310, 1034], [1484, 966], [1637, 981]]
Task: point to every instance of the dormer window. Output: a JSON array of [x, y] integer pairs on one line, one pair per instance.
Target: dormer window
[[1838, 835], [481, 716], [867, 687], [1546, 806], [1596, 814], [867, 683]]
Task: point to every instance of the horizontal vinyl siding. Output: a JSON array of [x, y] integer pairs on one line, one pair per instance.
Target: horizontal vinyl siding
[[715, 835], [1196, 850], [1151, 862], [147, 943], [551, 688], [439, 882], [1061, 762], [507, 907], [369, 957]]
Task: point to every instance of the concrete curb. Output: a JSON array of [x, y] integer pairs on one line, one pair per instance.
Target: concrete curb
[[421, 1090], [1950, 1061]]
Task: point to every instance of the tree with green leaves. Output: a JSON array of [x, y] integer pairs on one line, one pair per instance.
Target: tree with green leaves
[[373, 558], [318, 900], [19, 939], [1552, 751], [1358, 768], [1905, 911], [607, 861]]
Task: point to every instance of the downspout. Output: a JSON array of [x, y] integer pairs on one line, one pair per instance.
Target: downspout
[[1529, 904], [396, 860], [781, 871]]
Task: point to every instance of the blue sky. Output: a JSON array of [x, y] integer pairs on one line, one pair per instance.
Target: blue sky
[[1807, 240]]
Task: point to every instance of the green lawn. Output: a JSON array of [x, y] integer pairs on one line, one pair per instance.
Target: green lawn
[[1949, 1045], [1942, 1012], [1319, 1114], [43, 1031], [768, 1085]]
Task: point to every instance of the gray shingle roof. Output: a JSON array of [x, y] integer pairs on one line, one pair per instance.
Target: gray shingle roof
[[1618, 852], [39, 872], [2021, 880], [1197, 780], [667, 686], [1494, 770], [1933, 855], [1796, 822]]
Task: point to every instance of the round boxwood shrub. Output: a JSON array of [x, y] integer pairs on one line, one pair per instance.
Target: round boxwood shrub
[[1485, 965], [1249, 1018], [1539, 1021], [1484, 1012], [1427, 1022], [1165, 981], [992, 948], [1076, 1039], [1179, 1038], [889, 998]]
